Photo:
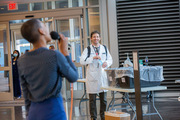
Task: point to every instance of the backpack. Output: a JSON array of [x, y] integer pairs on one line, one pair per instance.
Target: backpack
[[89, 52]]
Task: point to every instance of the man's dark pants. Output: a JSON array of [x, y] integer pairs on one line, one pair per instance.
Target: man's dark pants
[[103, 104]]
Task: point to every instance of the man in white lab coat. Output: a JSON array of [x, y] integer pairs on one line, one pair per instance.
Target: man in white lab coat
[[98, 59]]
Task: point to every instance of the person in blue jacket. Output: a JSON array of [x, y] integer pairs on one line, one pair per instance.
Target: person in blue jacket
[[41, 72], [16, 82]]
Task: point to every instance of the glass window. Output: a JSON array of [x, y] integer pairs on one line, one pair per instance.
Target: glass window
[[40, 6], [76, 28], [4, 81], [77, 51], [63, 27], [49, 23], [36, 6], [61, 4], [92, 2], [3, 46], [7, 112], [77, 3], [68, 3], [80, 74], [89, 41], [70, 29], [22, 45], [93, 20], [43, 6], [49, 5], [18, 21], [21, 8]]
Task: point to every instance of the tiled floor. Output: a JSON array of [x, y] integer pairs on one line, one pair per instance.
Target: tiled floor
[[169, 108]]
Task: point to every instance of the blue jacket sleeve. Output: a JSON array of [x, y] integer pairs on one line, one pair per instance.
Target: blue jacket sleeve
[[25, 91], [66, 67]]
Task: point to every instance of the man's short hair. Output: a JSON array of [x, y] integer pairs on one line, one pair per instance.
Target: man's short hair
[[94, 32], [29, 30]]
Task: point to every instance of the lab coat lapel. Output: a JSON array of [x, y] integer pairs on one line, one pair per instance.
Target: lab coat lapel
[[92, 49]]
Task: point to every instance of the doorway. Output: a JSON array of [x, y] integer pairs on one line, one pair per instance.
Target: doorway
[[66, 23], [6, 89], [72, 28]]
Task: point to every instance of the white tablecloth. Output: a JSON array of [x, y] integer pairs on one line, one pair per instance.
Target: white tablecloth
[[147, 73]]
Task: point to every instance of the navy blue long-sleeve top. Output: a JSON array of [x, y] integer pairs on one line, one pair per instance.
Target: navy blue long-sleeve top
[[40, 74]]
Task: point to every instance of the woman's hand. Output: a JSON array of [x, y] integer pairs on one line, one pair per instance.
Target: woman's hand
[[63, 45]]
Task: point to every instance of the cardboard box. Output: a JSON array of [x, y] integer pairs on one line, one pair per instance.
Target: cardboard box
[[116, 115]]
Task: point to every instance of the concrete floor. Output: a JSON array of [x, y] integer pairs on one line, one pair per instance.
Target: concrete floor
[[167, 107]]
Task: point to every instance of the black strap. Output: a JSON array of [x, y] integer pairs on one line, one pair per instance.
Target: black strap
[[105, 50], [88, 53]]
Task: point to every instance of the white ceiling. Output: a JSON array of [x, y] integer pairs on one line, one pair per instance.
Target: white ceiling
[[3, 2]]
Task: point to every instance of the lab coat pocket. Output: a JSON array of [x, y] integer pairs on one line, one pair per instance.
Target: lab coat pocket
[[103, 56]]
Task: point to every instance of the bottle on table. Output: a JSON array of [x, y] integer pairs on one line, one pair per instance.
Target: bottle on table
[[146, 61]]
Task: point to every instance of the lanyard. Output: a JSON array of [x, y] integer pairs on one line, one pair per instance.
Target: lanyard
[[96, 49]]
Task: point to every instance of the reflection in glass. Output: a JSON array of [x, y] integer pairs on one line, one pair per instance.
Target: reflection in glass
[[80, 72], [21, 44], [18, 21], [49, 23], [4, 81], [68, 3], [7, 113], [77, 51], [3, 46], [93, 17], [61, 4], [89, 41], [47, 5], [36, 6], [77, 3], [63, 27], [71, 29], [92, 2], [76, 28]]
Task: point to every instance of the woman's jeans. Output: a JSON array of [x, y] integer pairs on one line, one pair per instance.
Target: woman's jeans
[[50, 109]]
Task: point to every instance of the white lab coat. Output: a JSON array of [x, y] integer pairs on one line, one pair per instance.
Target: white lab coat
[[96, 77]]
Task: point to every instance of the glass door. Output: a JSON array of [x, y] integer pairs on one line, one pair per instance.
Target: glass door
[[7, 113], [72, 28], [48, 21], [6, 89], [19, 43]]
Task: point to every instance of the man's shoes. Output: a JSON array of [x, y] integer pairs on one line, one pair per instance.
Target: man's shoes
[[93, 118]]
